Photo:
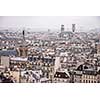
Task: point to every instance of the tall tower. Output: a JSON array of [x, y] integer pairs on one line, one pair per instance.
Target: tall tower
[[23, 35], [62, 28], [48, 30], [22, 50], [73, 28]]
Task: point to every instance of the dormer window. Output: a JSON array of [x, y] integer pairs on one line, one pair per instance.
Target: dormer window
[[59, 75]]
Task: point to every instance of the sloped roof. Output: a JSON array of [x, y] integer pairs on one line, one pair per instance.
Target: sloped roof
[[61, 75], [8, 53]]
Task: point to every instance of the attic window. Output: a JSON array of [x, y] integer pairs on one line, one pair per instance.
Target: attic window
[[66, 75], [59, 75]]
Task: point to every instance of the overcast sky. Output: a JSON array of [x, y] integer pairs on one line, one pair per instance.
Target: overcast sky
[[50, 22]]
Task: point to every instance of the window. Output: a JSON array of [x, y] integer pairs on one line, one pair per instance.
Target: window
[[94, 81], [86, 81], [58, 80], [59, 75], [83, 81]]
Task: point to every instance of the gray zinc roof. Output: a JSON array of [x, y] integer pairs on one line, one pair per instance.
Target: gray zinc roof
[[8, 53]]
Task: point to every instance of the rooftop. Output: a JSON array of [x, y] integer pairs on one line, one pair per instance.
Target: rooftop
[[8, 53]]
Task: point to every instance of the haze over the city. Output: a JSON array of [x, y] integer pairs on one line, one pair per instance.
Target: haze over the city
[[49, 49], [50, 22]]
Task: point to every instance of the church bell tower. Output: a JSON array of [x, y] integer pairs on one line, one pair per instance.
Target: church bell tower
[[22, 50]]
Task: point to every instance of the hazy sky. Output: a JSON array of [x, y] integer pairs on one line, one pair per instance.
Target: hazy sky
[[50, 22]]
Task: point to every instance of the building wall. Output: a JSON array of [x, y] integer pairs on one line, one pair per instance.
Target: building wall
[[98, 48], [98, 78], [89, 78], [16, 75], [22, 51], [77, 79], [5, 61], [61, 80], [86, 78]]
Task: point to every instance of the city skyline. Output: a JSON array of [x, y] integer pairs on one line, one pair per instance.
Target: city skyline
[[50, 22], [63, 56]]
